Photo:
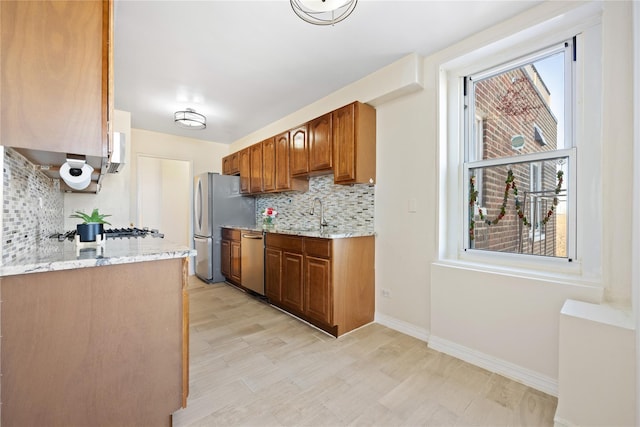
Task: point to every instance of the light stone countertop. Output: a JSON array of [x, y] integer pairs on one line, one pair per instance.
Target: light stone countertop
[[306, 232], [52, 255]]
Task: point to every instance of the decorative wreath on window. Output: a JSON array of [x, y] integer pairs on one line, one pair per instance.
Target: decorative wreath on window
[[510, 184]]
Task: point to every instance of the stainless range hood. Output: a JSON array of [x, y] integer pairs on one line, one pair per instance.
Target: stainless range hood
[[117, 158]]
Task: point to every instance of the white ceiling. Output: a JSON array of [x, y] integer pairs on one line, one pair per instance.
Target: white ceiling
[[245, 64]]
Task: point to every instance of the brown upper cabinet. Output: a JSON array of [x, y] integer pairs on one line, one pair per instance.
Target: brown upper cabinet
[[56, 65], [284, 180], [276, 166], [342, 142], [354, 144], [299, 151], [244, 163], [320, 145], [282, 165], [269, 165], [231, 164], [255, 152]]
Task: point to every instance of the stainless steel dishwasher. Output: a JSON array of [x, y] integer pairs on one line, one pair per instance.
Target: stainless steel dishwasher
[[252, 261]]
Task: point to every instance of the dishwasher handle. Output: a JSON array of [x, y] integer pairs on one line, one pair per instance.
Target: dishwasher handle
[[252, 236]]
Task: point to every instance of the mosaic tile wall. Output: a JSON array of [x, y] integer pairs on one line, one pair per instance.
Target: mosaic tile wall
[[33, 206], [345, 207]]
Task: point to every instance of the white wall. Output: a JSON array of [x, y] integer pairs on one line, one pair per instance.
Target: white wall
[[164, 202], [405, 240], [205, 156], [597, 361], [617, 160], [391, 82], [635, 233]]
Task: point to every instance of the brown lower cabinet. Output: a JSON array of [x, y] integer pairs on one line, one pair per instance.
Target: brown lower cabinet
[[328, 282], [105, 345], [230, 255]]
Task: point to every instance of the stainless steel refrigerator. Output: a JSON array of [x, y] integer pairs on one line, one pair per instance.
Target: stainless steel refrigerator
[[217, 202]]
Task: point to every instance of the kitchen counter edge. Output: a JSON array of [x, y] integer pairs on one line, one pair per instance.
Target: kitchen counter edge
[[50, 255], [334, 234]]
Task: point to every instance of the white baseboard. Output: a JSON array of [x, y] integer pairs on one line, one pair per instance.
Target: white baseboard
[[402, 326], [518, 373]]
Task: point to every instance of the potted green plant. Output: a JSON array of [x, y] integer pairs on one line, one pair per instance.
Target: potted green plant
[[92, 226]]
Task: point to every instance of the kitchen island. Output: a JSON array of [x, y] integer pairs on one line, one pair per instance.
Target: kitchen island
[[94, 336]]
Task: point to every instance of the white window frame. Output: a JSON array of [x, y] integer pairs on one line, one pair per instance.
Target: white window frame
[[477, 153], [535, 170], [471, 162], [584, 23]]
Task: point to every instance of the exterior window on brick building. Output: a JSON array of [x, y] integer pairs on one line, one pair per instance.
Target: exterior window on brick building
[[519, 155], [538, 135]]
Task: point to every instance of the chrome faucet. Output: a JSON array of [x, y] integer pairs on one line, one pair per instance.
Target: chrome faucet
[[323, 221]]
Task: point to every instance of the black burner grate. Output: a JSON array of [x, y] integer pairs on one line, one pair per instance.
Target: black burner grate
[[113, 233]]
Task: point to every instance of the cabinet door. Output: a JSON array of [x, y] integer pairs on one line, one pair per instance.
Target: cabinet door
[[226, 165], [230, 164], [299, 151], [225, 258], [244, 162], [256, 168], [354, 144], [269, 164], [320, 144], [344, 144], [235, 262], [54, 78], [318, 297], [292, 282], [235, 164], [273, 274], [283, 175]]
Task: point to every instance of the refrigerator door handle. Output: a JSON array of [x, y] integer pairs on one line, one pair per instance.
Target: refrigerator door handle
[[197, 206]]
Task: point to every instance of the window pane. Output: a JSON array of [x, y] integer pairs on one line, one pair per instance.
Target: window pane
[[521, 110], [523, 210]]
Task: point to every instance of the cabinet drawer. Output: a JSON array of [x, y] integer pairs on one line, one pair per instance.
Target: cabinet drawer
[[230, 234], [283, 241], [317, 247]]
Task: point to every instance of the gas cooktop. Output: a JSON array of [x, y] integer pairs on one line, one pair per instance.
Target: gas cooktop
[[112, 233]]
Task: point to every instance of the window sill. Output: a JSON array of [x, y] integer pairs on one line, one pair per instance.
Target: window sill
[[544, 270]]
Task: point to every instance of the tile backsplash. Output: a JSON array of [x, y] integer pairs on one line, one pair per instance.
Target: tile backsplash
[[32, 207], [345, 207]]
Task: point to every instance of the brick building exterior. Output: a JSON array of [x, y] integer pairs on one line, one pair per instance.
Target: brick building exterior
[[512, 109]]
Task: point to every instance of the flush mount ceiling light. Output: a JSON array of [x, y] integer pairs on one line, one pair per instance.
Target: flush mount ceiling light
[[323, 12], [189, 119]]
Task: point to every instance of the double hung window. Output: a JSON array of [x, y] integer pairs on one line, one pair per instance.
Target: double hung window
[[519, 156]]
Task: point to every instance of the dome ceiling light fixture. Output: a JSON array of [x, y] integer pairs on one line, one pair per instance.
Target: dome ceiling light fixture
[[323, 12], [189, 119]]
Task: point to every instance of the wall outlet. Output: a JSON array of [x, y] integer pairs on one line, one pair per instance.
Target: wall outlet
[[412, 206], [386, 293]]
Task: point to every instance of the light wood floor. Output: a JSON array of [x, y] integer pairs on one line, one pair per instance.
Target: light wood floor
[[252, 365]]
